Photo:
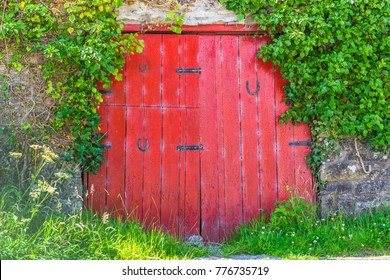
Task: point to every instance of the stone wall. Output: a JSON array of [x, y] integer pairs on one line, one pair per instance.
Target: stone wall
[[197, 12], [357, 179], [25, 119]]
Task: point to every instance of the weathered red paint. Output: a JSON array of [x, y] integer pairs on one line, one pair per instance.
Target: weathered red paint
[[232, 108]]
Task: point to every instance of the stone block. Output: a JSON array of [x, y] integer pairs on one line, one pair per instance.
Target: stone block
[[354, 197]]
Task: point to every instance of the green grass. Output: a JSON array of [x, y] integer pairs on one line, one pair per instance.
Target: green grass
[[88, 237], [31, 232], [295, 232], [30, 229]]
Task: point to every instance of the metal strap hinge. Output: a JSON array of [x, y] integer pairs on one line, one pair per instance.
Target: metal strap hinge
[[189, 148], [300, 143], [107, 146], [188, 70], [105, 91]]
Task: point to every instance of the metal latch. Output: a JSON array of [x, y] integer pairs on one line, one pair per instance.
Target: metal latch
[[190, 148], [300, 143], [188, 70]]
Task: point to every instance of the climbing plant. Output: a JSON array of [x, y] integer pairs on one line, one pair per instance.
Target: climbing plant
[[80, 43], [336, 56]]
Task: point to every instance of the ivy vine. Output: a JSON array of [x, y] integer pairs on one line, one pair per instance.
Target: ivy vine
[[81, 43], [336, 56]]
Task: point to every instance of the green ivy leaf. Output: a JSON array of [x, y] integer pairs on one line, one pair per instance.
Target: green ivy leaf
[[240, 17]]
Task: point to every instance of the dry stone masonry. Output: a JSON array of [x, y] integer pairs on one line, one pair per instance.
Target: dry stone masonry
[[357, 179]]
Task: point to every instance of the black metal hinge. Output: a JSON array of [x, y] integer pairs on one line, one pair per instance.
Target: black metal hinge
[[105, 91], [107, 146], [190, 148], [300, 143], [188, 70]]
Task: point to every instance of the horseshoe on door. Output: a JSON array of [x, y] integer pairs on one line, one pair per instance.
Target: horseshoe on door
[[145, 148], [257, 88]]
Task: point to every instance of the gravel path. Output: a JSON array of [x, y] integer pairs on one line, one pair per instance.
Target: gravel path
[[243, 257], [266, 257]]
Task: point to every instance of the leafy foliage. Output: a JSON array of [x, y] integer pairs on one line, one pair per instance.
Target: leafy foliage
[[335, 55], [82, 43]]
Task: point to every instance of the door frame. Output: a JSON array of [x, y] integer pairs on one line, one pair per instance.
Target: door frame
[[222, 29]]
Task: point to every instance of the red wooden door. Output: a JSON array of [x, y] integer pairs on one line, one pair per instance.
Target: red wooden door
[[249, 161], [194, 143]]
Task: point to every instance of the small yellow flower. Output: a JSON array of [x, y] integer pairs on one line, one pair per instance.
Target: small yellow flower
[[35, 147], [15, 155]]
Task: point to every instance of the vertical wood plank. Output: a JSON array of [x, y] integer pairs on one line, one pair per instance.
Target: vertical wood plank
[[134, 77], [221, 151], [190, 49], [268, 168], [182, 154], [117, 95], [182, 171], [249, 128], [97, 183], [231, 131], [152, 170], [303, 177], [170, 170], [192, 174], [116, 160], [134, 163], [285, 135], [208, 131], [170, 62], [152, 75]]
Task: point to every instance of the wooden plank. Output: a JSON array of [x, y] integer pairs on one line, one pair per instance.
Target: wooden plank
[[303, 176], [170, 170], [116, 160], [208, 131], [170, 62], [190, 50], [220, 159], [115, 95], [97, 183], [134, 78], [268, 168], [152, 73], [285, 135], [192, 174], [182, 172], [134, 163], [231, 131], [152, 168], [249, 128]]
